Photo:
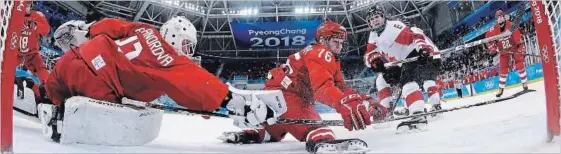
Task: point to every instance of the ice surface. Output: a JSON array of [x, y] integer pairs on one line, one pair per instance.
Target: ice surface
[[514, 126]]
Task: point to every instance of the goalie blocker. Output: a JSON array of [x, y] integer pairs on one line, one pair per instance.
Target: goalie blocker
[[90, 121]]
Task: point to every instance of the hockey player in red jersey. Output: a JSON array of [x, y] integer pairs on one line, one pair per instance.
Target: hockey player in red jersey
[[507, 48], [35, 26], [309, 76], [133, 60], [392, 41]]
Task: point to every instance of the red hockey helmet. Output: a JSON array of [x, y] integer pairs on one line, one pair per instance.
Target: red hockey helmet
[[500, 16], [330, 29]]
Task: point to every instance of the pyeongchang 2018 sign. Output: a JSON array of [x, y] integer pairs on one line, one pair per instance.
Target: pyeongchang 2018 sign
[[275, 34]]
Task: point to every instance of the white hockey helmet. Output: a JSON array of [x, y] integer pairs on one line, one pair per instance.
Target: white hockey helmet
[[71, 34], [181, 34]]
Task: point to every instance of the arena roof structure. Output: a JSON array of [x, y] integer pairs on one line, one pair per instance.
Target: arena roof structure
[[214, 18]]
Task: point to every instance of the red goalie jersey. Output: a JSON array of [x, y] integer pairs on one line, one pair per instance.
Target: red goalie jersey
[[127, 59]]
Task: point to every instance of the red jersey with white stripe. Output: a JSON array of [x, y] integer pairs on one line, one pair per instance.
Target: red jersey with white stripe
[[313, 74], [506, 45], [35, 26], [397, 41]]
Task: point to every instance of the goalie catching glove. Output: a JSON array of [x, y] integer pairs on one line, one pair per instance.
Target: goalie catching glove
[[250, 109]]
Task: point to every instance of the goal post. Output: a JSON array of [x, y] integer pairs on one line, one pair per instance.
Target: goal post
[[11, 21], [546, 18]]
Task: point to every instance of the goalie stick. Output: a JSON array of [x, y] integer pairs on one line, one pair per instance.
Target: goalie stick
[[325, 122], [340, 122]]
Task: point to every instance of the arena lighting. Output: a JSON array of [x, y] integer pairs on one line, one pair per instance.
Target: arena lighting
[[360, 3], [245, 11], [193, 7], [308, 10]]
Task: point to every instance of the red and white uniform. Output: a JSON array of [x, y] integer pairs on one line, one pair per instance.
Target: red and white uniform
[[310, 75], [395, 43], [34, 26], [128, 59], [507, 48]]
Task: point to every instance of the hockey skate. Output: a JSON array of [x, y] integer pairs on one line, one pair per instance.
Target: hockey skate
[[401, 111], [415, 124], [241, 137], [500, 93], [525, 86], [337, 146], [435, 108]]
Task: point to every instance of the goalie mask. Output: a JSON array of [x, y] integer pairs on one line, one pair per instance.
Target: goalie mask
[[71, 34], [181, 34]]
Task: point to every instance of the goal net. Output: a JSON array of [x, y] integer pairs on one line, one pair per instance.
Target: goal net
[[11, 20], [548, 26]]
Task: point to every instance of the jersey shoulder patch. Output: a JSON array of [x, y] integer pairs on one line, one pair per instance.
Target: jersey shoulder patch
[[396, 24]]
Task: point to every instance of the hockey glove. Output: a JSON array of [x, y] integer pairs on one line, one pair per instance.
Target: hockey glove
[[376, 110], [352, 110], [392, 75], [425, 52], [493, 50], [375, 60], [521, 49]]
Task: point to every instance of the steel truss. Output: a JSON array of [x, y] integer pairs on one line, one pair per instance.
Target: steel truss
[[213, 18]]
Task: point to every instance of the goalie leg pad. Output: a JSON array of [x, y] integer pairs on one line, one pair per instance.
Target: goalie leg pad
[[27, 104], [90, 121]]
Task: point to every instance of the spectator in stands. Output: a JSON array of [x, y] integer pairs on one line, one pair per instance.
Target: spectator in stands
[[459, 86]]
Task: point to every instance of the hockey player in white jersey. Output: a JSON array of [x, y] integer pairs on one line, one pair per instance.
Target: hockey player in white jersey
[[392, 41]]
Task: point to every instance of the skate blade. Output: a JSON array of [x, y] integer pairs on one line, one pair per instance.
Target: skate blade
[[381, 125], [347, 147], [361, 151], [434, 117], [408, 130], [337, 149]]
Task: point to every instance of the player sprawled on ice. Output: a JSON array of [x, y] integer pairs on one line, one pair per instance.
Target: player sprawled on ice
[[508, 47], [310, 75], [392, 41], [126, 62]]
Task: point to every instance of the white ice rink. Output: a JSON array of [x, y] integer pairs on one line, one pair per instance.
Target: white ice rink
[[514, 126]]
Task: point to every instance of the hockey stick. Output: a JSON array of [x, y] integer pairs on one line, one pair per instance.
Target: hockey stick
[[525, 54], [340, 122], [505, 34]]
